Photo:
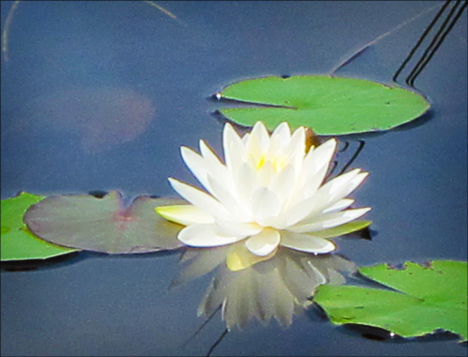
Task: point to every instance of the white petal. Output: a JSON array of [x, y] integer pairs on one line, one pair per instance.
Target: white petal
[[184, 214], [208, 153], [314, 181], [229, 202], [336, 189], [298, 212], [247, 182], [282, 133], [320, 156], [311, 186], [206, 165], [215, 167], [339, 206], [294, 152], [263, 243], [200, 199], [234, 149], [324, 152], [204, 235], [297, 143], [316, 163], [341, 186], [329, 220], [196, 165], [306, 243], [283, 184], [326, 196], [238, 229], [258, 141], [265, 206], [314, 168], [266, 173]]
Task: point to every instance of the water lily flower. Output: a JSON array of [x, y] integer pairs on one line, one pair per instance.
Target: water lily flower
[[269, 192]]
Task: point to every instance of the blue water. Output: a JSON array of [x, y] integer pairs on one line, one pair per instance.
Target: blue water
[[63, 54]]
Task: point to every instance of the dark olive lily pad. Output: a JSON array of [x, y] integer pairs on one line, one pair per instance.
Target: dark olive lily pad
[[428, 299], [104, 224], [18, 243], [328, 105]]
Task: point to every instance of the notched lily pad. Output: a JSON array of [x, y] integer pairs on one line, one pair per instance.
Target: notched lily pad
[[328, 105], [18, 243], [428, 298], [104, 224]]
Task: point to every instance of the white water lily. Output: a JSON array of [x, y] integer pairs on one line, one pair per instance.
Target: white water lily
[[268, 193]]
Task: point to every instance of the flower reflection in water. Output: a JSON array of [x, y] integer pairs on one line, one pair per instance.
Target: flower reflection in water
[[278, 288]]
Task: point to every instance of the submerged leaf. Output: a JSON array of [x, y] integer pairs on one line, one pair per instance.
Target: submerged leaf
[[18, 243], [103, 224], [428, 299], [328, 105], [101, 117]]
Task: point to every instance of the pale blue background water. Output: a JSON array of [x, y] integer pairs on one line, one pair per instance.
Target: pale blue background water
[[105, 305]]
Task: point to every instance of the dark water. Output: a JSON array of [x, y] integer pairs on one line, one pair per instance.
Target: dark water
[[101, 95]]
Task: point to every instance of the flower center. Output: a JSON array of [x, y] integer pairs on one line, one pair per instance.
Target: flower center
[[277, 162]]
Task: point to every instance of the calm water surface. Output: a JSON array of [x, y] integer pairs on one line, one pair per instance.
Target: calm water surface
[[101, 95]]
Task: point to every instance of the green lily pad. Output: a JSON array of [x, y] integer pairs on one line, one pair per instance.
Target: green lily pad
[[427, 299], [18, 243], [328, 105]]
